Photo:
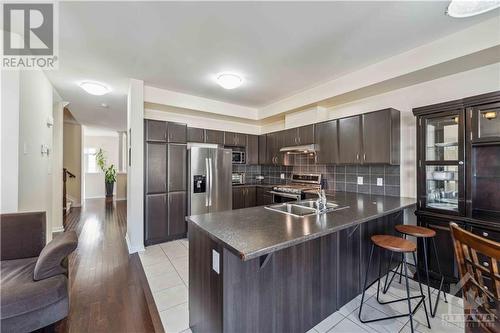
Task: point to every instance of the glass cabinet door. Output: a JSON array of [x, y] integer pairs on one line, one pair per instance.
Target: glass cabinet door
[[442, 187], [441, 169], [441, 136]]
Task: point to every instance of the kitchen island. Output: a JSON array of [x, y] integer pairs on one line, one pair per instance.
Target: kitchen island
[[258, 270]]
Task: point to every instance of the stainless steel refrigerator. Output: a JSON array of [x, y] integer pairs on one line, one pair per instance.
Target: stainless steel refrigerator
[[209, 187]]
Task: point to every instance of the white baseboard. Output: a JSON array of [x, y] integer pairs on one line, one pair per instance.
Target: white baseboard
[[132, 249]]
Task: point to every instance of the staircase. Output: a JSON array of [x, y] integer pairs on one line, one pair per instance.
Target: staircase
[[67, 201]]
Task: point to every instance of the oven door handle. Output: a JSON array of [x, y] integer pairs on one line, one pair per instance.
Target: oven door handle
[[286, 195]]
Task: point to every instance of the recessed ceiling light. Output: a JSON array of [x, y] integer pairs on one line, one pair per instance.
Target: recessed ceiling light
[[467, 8], [229, 80], [95, 88], [104, 105]]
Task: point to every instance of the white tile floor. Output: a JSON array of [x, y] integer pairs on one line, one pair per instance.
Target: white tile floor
[[166, 267]]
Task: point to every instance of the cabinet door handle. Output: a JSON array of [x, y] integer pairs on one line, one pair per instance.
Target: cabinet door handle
[[357, 156], [485, 264], [364, 157]]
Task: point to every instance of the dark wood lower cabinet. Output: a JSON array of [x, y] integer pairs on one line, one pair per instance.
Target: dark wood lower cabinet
[[444, 245], [290, 290], [244, 197], [263, 196], [165, 216], [238, 197], [348, 274], [177, 210], [156, 219]]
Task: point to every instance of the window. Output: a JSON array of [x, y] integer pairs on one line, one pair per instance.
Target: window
[[90, 160]]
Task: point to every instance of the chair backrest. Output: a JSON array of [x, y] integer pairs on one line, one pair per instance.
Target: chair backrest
[[22, 235], [478, 261]]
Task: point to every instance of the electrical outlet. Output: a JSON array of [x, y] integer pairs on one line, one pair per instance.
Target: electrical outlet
[[215, 261], [380, 182], [282, 176], [360, 180]]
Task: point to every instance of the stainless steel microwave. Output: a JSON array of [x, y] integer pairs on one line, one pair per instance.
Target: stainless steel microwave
[[239, 156]]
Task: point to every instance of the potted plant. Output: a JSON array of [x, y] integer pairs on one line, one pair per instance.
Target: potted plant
[[109, 172]]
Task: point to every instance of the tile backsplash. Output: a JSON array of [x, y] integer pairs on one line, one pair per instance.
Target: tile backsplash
[[341, 178]]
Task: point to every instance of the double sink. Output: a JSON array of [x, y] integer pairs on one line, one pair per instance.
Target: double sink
[[304, 208]]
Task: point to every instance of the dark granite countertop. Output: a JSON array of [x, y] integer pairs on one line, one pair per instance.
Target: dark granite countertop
[[253, 232]]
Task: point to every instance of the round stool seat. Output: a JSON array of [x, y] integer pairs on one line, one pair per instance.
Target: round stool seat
[[415, 231], [393, 243]]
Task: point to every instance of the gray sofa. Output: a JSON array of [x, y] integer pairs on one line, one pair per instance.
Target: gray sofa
[[34, 276]]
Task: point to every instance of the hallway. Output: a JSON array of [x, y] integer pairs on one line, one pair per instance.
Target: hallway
[[106, 283]]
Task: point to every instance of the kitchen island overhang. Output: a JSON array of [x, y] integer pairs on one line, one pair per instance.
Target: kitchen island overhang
[[255, 270]]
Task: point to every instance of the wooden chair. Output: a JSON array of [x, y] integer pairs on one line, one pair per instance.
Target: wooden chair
[[478, 260]]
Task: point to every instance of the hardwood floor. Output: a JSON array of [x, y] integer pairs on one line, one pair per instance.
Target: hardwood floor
[[106, 283]]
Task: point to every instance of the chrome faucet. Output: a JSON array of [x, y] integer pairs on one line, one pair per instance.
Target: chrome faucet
[[321, 203]]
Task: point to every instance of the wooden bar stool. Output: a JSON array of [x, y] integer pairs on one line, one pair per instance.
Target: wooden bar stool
[[394, 245], [423, 234]]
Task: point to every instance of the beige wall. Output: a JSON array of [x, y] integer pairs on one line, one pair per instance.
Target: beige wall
[[72, 159], [35, 167], [94, 181]]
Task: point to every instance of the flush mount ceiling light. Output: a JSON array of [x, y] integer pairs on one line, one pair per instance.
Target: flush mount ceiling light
[[467, 8], [94, 88], [229, 80]]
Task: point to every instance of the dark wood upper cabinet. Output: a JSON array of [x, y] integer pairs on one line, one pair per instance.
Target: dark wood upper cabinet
[[155, 130], [156, 218], [485, 120], [176, 132], [195, 134], [177, 166], [327, 142], [305, 135], [349, 130], [270, 147], [263, 149], [155, 167], [215, 137], [177, 210], [235, 139], [252, 149], [288, 138], [381, 137]]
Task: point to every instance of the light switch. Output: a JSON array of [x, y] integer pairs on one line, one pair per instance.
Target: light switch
[[215, 261], [282, 176], [380, 181], [360, 180]]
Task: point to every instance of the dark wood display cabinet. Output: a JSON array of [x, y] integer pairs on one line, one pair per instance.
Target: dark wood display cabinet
[[458, 172]]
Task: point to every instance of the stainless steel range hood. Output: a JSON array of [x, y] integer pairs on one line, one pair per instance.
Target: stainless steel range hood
[[303, 149]]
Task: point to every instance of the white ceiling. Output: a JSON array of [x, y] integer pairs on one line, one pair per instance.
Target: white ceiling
[[279, 48]]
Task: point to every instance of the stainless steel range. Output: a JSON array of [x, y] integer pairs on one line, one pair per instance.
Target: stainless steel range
[[299, 183]]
